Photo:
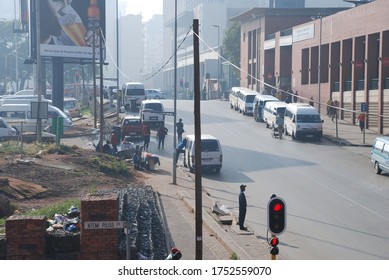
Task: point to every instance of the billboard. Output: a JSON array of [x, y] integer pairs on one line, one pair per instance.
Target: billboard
[[70, 29]]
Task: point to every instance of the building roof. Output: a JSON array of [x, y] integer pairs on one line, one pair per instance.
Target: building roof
[[256, 13]]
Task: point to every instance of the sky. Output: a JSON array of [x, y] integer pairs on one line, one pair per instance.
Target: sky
[[147, 8]]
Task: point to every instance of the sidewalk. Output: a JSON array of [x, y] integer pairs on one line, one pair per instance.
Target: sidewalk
[[345, 133], [220, 242]]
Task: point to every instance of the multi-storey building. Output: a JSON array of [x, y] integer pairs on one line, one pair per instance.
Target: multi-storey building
[[338, 55]]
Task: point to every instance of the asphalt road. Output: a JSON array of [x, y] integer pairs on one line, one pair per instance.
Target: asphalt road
[[337, 208]]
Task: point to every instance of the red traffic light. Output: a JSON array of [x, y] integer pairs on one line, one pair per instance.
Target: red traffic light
[[274, 241], [276, 219], [277, 207]]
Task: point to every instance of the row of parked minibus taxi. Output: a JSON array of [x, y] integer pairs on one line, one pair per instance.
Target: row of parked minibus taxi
[[300, 120], [19, 114]]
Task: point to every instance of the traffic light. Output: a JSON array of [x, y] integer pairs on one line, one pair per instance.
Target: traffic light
[[276, 215], [273, 243], [77, 77]]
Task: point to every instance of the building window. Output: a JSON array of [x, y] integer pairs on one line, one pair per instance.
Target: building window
[[304, 66]]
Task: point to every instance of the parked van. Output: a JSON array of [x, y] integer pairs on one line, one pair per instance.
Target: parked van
[[211, 153], [32, 92], [302, 120], [151, 113], [380, 154], [246, 101], [72, 106], [132, 95], [260, 101], [6, 130], [19, 115], [22, 100], [271, 110]]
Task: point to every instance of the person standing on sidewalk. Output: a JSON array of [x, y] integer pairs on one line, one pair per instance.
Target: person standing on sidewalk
[[242, 207], [361, 120]]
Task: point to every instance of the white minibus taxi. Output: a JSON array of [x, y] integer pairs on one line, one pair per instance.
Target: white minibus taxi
[[246, 101], [302, 120], [19, 116], [211, 153], [259, 105], [380, 154], [132, 95], [271, 110]]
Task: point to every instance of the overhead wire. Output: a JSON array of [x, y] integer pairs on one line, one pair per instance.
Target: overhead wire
[[281, 90]]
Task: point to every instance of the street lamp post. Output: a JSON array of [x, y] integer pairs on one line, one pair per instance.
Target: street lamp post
[[320, 17], [218, 58]]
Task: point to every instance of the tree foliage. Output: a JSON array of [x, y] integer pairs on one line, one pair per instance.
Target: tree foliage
[[231, 45], [9, 41]]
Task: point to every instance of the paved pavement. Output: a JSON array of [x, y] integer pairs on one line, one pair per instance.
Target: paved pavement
[[221, 242]]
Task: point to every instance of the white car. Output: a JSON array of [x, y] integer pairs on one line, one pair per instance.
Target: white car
[[155, 94], [6, 130]]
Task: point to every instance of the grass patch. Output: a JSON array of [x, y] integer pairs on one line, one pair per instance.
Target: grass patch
[[110, 165], [63, 149], [48, 211], [12, 147], [233, 256]]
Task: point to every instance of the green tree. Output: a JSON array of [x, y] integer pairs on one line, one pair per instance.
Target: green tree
[[231, 45], [9, 41]]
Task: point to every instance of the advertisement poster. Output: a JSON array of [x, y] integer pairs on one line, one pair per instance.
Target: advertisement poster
[[71, 28]]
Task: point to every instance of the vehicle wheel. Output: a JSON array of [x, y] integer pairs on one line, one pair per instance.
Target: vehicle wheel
[[377, 168], [293, 136], [191, 169], [244, 112], [286, 131], [267, 125]]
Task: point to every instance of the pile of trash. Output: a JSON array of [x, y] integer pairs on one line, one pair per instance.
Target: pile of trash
[[65, 223]]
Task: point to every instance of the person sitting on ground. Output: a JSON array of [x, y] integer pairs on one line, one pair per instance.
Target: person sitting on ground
[[107, 148]]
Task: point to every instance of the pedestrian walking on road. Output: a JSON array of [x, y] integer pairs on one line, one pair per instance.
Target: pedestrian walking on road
[[242, 207], [161, 134], [180, 129], [146, 137]]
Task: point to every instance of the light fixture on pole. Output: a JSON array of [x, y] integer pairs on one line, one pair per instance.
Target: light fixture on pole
[[218, 58]]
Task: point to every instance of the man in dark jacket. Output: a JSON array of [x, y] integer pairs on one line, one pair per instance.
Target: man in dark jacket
[[242, 207]]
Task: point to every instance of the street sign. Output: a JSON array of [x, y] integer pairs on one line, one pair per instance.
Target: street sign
[[105, 225], [364, 107], [385, 61], [358, 64]]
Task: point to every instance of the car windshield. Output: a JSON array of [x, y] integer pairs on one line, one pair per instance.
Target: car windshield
[[154, 106], [132, 122], [308, 119]]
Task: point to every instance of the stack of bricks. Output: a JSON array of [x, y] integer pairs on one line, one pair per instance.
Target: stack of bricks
[[99, 244], [25, 237]]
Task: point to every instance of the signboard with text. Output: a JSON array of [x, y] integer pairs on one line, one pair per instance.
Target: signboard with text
[[105, 225], [69, 30]]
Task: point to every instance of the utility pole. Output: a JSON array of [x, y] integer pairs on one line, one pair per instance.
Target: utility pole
[[175, 95], [38, 90], [197, 120]]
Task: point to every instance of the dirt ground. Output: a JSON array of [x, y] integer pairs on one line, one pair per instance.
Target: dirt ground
[[50, 178]]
